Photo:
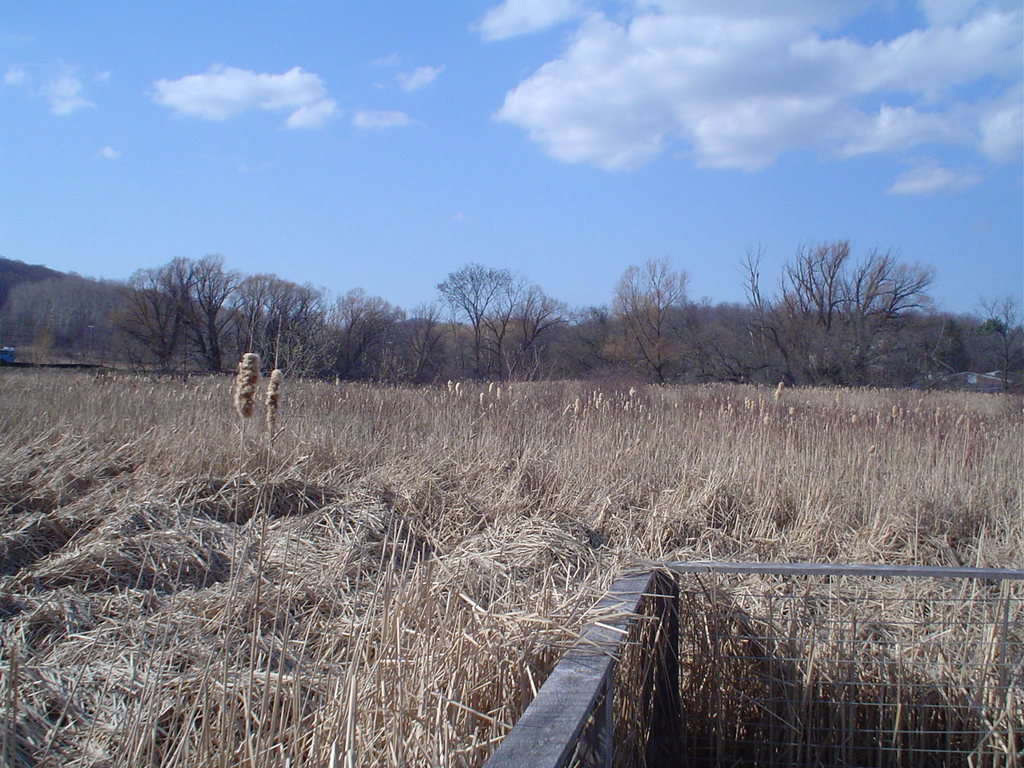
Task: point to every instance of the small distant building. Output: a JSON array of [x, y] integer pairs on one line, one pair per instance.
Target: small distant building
[[970, 381]]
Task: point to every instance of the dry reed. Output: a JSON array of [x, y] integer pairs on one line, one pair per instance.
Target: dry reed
[[273, 397], [247, 383], [405, 588]]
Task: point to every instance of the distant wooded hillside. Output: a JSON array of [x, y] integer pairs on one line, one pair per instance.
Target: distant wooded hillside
[[14, 272]]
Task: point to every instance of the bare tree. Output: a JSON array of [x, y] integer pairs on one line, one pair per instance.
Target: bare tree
[[155, 311], [283, 321], [475, 294], [589, 341], [209, 318], [423, 338], [649, 300], [534, 318], [1003, 325], [361, 325], [834, 320]]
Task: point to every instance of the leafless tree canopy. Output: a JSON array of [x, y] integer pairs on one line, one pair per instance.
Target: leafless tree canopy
[[834, 319], [649, 301]]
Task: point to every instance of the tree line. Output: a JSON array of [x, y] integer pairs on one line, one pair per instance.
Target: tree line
[[831, 319]]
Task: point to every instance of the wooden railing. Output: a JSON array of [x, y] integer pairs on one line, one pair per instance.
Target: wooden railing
[[570, 722]]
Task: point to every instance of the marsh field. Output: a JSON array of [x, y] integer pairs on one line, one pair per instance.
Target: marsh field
[[384, 578]]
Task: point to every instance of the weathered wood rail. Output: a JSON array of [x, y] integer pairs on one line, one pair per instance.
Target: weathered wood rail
[[570, 722]]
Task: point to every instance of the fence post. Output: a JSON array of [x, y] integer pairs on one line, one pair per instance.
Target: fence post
[[661, 688]]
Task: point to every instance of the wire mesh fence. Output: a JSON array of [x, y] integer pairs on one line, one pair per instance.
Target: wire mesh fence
[[851, 667]]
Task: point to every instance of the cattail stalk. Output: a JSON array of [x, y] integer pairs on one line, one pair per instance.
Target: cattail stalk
[[247, 382], [273, 397]]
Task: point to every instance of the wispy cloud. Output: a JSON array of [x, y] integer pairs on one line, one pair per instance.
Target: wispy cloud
[[377, 119], [109, 153], [419, 77], [15, 76], [391, 60], [520, 17], [312, 115], [930, 178], [224, 92], [1002, 126], [64, 93]]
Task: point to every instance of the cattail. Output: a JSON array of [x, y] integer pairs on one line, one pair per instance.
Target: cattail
[[778, 390], [273, 397], [246, 383]]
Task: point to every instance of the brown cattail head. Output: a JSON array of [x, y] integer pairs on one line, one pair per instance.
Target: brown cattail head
[[246, 383], [273, 397]]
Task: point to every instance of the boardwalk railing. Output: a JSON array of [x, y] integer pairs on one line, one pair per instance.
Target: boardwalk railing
[[701, 663]]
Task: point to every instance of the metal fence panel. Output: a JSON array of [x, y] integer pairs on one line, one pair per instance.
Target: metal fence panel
[[848, 666]]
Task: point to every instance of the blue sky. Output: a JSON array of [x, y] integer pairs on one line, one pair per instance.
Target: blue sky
[[384, 144]]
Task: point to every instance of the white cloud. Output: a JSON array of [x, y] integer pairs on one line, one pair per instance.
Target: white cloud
[[376, 119], [419, 77], [109, 153], [15, 76], [462, 216], [929, 178], [739, 84], [223, 92], [64, 93], [520, 17]]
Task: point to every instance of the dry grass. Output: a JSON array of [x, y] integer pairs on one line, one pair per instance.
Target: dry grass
[[386, 581]]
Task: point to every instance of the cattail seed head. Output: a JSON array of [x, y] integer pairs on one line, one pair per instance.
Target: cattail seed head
[[778, 390], [273, 397], [247, 382]]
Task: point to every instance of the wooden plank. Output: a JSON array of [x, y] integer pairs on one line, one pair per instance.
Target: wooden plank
[[842, 569], [546, 734]]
